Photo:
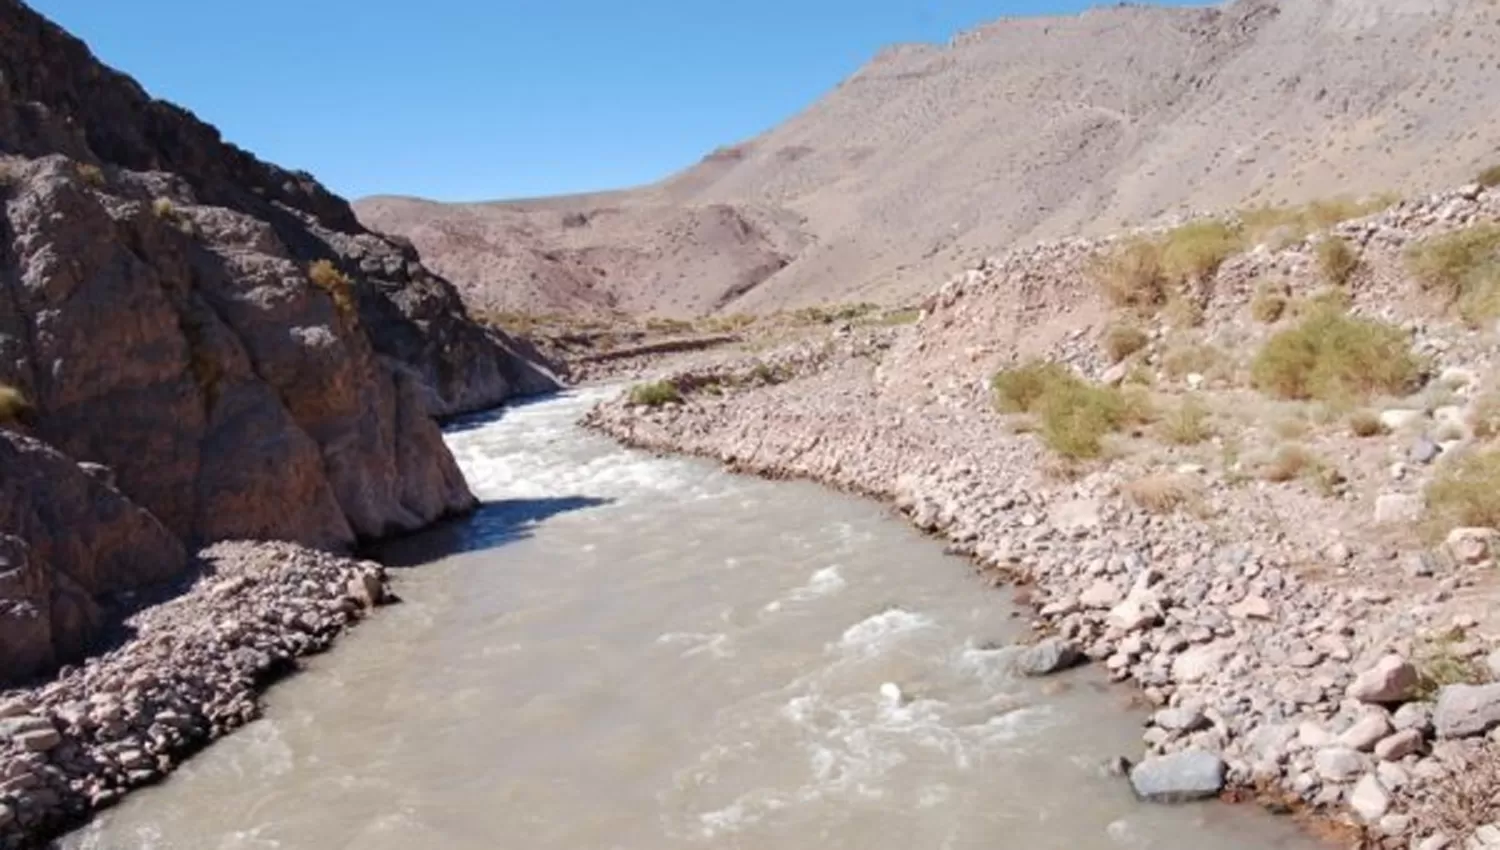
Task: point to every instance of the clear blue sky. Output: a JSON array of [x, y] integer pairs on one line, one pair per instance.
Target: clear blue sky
[[478, 99]]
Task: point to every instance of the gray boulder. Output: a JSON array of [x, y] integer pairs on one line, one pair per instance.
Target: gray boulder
[[1465, 710], [1051, 655], [1179, 777]]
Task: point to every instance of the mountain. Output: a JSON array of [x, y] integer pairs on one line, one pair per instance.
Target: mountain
[[196, 345], [931, 156]]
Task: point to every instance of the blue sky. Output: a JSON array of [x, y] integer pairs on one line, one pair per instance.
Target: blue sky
[[479, 99]]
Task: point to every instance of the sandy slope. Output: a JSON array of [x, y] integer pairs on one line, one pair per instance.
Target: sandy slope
[[1023, 129]]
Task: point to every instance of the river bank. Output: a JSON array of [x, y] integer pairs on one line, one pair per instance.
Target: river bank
[[1318, 653], [189, 671]]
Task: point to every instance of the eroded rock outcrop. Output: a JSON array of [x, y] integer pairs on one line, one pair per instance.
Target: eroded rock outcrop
[[217, 336]]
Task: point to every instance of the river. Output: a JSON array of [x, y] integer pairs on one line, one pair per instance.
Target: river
[[622, 652]]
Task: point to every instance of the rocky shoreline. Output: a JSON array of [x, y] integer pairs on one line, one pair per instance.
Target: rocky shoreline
[[1267, 681], [190, 671]]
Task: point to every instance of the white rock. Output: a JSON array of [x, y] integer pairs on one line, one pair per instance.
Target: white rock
[[1252, 607], [1366, 732], [1338, 764], [1101, 594], [1471, 545], [1369, 799], [1392, 679], [1397, 418], [1197, 663]]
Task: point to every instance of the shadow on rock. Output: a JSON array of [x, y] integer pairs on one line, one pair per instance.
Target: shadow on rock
[[492, 524]]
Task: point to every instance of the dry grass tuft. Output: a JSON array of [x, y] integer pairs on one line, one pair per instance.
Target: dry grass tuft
[[1365, 423], [1187, 424], [14, 405], [1120, 341], [655, 394], [1164, 493], [1194, 251], [1287, 225], [1335, 357], [90, 174], [1132, 276], [1290, 462], [1484, 416], [1074, 415], [1465, 493], [1019, 389], [1269, 303], [1202, 359], [326, 276], [1336, 260], [1464, 268], [1489, 178]]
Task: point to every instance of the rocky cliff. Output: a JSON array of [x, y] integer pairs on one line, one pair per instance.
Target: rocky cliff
[[219, 339]]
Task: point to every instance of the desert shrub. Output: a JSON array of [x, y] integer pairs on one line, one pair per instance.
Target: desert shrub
[[1365, 423], [1164, 493], [1184, 310], [1465, 492], [1195, 250], [1269, 303], [1019, 389], [13, 405], [90, 174], [1336, 260], [1464, 268], [163, 208], [1121, 341], [1132, 276], [1490, 177], [1139, 376], [1484, 416], [1207, 360], [655, 394], [1075, 415], [1333, 356], [892, 318], [1295, 223], [1186, 424], [326, 276]]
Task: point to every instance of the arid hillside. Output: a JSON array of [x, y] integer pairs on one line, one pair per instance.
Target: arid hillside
[[932, 156]]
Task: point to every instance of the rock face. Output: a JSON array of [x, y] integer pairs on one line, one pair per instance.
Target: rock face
[[217, 336], [1178, 778], [68, 540]]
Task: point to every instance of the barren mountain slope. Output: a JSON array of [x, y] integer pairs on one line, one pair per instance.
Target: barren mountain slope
[[1026, 129]]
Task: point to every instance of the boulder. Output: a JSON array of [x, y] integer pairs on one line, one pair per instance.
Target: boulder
[[1393, 679], [1465, 710], [1339, 764], [1369, 799], [1366, 732], [1178, 778], [1398, 746], [1471, 546], [1051, 655], [1198, 663]]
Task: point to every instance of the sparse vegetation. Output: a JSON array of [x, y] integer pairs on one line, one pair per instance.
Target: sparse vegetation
[[899, 317], [1184, 310], [1365, 423], [1269, 303], [1289, 462], [1195, 250], [1465, 492], [655, 394], [1132, 276], [14, 405], [1187, 424], [90, 174], [1122, 340], [163, 208], [1484, 416], [1490, 177], [1439, 663], [1164, 493], [1337, 261], [1464, 268], [1332, 356], [1197, 359], [326, 276], [1286, 225], [1075, 415], [668, 326]]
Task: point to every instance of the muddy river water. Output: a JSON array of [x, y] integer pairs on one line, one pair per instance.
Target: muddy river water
[[622, 652]]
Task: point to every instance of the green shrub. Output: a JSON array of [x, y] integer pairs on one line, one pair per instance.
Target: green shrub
[[1335, 357], [1269, 303], [1121, 341], [1075, 415], [13, 405], [1132, 276], [90, 174], [655, 394], [1465, 492], [1464, 268], [1336, 260], [1186, 424], [1195, 250], [1490, 177], [1019, 389], [327, 277]]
